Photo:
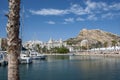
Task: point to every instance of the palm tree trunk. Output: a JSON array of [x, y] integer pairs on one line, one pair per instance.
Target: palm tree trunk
[[13, 39]]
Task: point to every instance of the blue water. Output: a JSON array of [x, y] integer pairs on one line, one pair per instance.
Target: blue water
[[69, 68]]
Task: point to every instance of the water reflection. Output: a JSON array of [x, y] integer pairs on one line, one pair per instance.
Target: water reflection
[[69, 68], [55, 57], [97, 68]]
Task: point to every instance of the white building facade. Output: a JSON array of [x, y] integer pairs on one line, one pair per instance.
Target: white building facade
[[50, 44], [55, 43]]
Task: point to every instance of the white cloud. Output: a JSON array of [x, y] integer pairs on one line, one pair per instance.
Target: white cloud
[[95, 7], [49, 12], [102, 6], [90, 6], [89, 10], [50, 22], [92, 17], [64, 23], [115, 6], [110, 15], [69, 20], [80, 19], [77, 9]]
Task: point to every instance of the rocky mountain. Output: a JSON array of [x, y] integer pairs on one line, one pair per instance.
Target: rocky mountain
[[94, 38]]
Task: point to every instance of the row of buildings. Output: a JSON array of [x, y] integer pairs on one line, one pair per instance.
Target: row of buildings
[[33, 43], [54, 43], [49, 44]]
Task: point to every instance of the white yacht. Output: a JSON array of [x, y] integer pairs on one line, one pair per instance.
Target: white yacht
[[25, 58], [3, 58], [36, 55]]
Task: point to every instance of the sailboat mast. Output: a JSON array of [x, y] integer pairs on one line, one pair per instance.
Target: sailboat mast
[[22, 22], [22, 25]]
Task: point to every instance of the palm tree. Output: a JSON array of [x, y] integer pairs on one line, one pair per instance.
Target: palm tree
[[114, 43], [105, 44], [13, 39], [99, 44], [38, 48], [119, 43]]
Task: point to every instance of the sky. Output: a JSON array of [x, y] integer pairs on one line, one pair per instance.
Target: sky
[[63, 19]]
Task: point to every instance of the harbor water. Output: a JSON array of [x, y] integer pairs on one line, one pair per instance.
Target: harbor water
[[69, 68]]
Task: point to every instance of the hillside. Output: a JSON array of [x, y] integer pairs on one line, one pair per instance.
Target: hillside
[[95, 37]]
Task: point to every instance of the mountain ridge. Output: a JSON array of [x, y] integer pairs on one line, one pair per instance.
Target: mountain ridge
[[95, 36]]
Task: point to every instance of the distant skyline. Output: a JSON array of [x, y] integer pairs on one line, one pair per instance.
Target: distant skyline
[[45, 19]]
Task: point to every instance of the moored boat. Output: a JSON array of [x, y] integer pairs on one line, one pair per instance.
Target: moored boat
[[35, 55], [3, 59], [25, 58]]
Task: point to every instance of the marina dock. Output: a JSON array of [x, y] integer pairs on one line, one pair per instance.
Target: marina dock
[[3, 58]]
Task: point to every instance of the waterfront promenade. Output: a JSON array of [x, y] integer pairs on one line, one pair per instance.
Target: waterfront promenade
[[105, 53]]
